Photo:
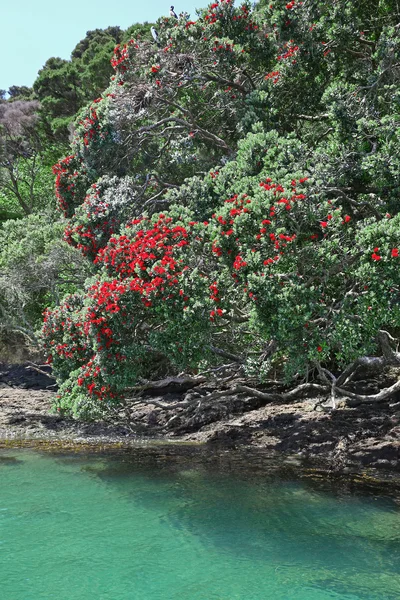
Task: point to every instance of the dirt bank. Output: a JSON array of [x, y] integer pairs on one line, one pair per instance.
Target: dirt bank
[[342, 440]]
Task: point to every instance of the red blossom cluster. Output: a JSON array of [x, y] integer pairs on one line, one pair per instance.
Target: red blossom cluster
[[231, 226], [121, 56], [63, 321], [91, 125], [293, 4], [290, 49], [239, 263], [216, 249], [214, 296], [377, 257], [225, 47], [67, 172], [91, 379], [215, 13], [274, 75], [216, 313], [148, 260], [106, 295], [92, 225]]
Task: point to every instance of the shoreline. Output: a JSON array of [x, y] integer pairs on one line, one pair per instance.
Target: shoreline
[[346, 440]]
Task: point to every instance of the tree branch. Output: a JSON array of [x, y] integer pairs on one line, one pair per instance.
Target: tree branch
[[222, 80], [322, 117], [190, 126]]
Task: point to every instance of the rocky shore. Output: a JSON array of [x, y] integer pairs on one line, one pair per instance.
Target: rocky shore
[[347, 439]]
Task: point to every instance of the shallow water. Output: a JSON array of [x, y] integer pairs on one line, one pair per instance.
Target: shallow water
[[103, 527]]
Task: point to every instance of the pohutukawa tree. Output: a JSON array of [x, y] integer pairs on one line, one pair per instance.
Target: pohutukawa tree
[[236, 189]]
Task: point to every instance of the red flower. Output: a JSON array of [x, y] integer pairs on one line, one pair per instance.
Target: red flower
[[239, 262], [375, 256], [395, 253], [324, 224], [319, 348], [346, 219]]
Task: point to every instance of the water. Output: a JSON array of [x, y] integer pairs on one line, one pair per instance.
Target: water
[[158, 527]]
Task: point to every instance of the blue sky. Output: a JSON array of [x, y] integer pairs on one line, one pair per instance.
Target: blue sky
[[32, 32]]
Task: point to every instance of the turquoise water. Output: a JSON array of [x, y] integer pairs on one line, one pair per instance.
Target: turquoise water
[[160, 528]]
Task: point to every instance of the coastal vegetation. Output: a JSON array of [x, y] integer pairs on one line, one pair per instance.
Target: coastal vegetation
[[226, 200]]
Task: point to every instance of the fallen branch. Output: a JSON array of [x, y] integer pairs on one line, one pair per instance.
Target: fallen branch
[[163, 383], [36, 368], [165, 405], [362, 398]]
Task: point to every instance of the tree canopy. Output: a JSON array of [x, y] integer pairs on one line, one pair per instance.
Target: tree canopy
[[234, 191]]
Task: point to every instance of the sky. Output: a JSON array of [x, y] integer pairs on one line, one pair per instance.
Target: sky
[[32, 32]]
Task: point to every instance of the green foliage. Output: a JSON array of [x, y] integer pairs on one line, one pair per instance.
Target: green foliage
[[59, 91], [63, 87], [20, 92], [36, 269], [136, 31]]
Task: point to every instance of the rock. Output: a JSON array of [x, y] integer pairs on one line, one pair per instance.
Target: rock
[[16, 419]]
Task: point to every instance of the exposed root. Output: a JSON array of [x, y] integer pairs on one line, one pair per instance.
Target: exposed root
[[284, 396], [194, 403], [197, 404], [372, 363]]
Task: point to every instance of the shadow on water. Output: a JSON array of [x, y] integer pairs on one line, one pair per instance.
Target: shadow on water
[[10, 461], [337, 537], [250, 508]]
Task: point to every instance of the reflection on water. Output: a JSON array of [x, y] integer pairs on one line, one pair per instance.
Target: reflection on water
[[173, 524]]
